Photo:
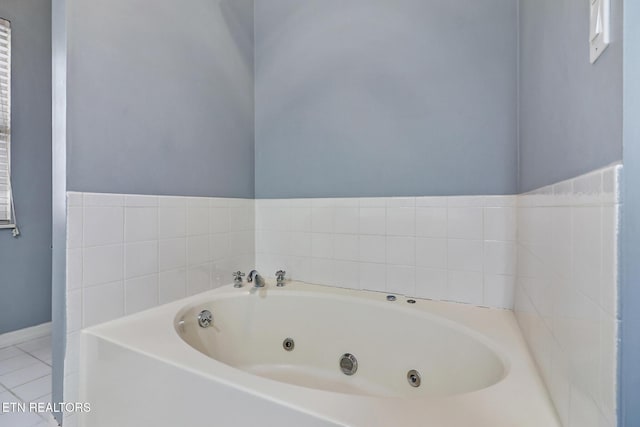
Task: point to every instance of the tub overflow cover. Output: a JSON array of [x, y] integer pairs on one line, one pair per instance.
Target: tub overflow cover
[[205, 319], [348, 364]]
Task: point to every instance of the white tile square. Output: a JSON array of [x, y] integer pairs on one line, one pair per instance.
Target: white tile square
[[346, 247], [102, 199], [102, 303], [465, 286], [401, 250], [300, 203], [499, 291], [465, 223], [464, 255], [561, 241], [140, 224], [141, 259], [500, 257], [172, 202], [35, 389], [345, 220], [373, 221], [298, 268], [345, 202], [270, 218], [218, 220], [322, 271], [300, 219], [141, 293], [373, 277], [500, 224], [275, 242], [198, 249], [103, 226], [172, 254], [401, 221], [102, 264], [346, 274], [322, 245], [218, 246], [135, 200], [431, 202], [74, 198], [609, 279], [172, 285], [197, 220], [25, 375], [204, 202], [74, 269], [74, 227], [509, 201], [198, 279], [431, 283], [431, 222], [219, 202], [401, 280], [587, 250], [465, 201], [322, 219], [43, 354], [9, 352], [19, 361], [301, 244], [239, 243], [373, 202], [431, 253], [74, 310], [172, 222], [608, 365], [373, 249], [401, 202], [36, 344]]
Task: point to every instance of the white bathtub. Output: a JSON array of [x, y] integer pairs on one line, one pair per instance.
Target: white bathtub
[[160, 368]]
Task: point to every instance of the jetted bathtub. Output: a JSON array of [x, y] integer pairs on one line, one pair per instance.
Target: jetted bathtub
[[306, 355]]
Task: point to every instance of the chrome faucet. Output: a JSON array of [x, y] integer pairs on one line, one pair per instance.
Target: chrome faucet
[[255, 278], [237, 279]]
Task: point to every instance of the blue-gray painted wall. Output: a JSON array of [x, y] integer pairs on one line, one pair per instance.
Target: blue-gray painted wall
[[385, 98], [160, 97], [629, 375], [570, 110], [25, 263]]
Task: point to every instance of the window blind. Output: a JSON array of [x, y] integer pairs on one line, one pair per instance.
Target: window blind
[[5, 122]]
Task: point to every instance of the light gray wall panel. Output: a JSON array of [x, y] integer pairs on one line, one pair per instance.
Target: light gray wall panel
[[570, 110], [160, 97], [385, 98], [25, 263]]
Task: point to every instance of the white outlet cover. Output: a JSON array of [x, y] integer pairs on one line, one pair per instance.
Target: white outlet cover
[[599, 28]]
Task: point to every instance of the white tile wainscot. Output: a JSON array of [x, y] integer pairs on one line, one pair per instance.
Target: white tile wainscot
[[444, 248], [127, 253], [566, 293]]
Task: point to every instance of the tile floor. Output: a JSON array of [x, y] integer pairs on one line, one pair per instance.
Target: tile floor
[[25, 376]]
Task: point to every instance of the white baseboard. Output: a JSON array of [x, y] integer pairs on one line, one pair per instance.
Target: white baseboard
[[26, 334]]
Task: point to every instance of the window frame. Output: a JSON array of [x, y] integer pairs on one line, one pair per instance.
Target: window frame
[[10, 220]]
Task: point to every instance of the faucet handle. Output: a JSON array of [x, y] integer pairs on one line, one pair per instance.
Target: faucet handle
[[237, 279], [280, 277]]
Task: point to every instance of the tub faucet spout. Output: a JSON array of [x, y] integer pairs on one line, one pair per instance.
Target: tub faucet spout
[[256, 278]]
